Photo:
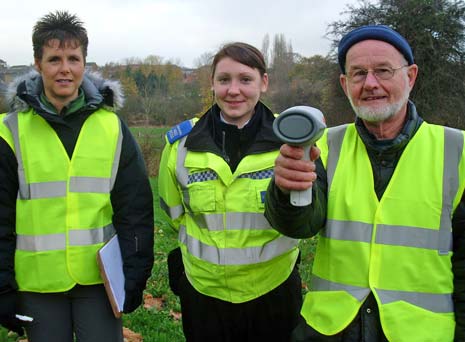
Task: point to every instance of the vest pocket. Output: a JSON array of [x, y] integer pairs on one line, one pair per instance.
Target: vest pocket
[[200, 198], [403, 321]]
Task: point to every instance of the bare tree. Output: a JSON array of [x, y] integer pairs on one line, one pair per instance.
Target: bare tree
[[280, 95], [266, 48]]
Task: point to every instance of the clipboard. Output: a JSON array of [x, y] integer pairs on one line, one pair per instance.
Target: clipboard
[[110, 265]]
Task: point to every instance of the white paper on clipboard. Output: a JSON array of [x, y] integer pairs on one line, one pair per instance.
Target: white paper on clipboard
[[111, 269]]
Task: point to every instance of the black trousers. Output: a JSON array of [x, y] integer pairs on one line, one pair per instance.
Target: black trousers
[[83, 312], [271, 317]]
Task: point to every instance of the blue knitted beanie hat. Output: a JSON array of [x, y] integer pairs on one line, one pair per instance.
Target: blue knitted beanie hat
[[376, 32]]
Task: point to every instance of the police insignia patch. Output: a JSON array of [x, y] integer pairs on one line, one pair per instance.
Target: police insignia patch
[[179, 131]]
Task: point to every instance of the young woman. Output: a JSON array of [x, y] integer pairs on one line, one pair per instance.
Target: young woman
[[237, 280]]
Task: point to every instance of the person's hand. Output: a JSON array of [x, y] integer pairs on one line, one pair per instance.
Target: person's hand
[[133, 296], [8, 313], [291, 173]]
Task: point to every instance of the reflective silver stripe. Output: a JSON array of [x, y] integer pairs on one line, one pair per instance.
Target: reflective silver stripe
[[212, 222], [172, 212], [234, 221], [90, 184], [335, 138], [453, 147], [409, 237], [440, 303], [246, 221], [358, 292], [348, 230], [11, 121], [45, 190], [119, 143], [236, 256], [385, 234], [84, 237], [40, 243], [182, 174]]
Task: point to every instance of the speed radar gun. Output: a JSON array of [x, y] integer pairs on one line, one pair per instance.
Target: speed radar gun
[[300, 126]]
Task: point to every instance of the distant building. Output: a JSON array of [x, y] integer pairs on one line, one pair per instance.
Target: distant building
[[91, 66], [188, 75], [9, 74], [19, 69]]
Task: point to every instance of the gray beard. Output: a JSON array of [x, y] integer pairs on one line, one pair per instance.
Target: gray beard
[[379, 114]]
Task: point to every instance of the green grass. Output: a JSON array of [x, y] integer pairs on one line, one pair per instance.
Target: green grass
[[158, 325], [4, 336], [151, 141]]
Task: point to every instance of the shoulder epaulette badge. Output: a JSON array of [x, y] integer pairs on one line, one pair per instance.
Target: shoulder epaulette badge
[[179, 131]]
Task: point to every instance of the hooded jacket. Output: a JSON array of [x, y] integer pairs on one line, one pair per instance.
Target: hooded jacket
[[239, 256], [131, 197]]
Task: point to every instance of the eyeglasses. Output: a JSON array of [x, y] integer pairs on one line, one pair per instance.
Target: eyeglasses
[[382, 73]]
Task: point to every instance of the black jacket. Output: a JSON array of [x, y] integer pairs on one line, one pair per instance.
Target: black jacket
[[131, 197], [302, 222]]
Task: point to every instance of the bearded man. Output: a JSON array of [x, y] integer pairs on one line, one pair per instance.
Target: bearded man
[[387, 203]]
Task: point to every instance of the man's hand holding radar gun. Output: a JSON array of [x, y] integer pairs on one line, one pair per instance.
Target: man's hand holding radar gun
[[298, 128]]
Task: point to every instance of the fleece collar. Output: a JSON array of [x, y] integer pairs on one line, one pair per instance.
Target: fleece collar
[[24, 92]]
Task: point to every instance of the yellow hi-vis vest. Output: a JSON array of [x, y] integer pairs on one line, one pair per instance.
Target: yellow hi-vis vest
[[63, 209], [229, 249], [398, 247]]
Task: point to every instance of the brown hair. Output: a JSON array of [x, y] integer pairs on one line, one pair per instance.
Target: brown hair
[[60, 25], [243, 53]]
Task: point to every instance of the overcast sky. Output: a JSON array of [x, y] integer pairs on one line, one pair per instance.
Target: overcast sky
[[176, 30]]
